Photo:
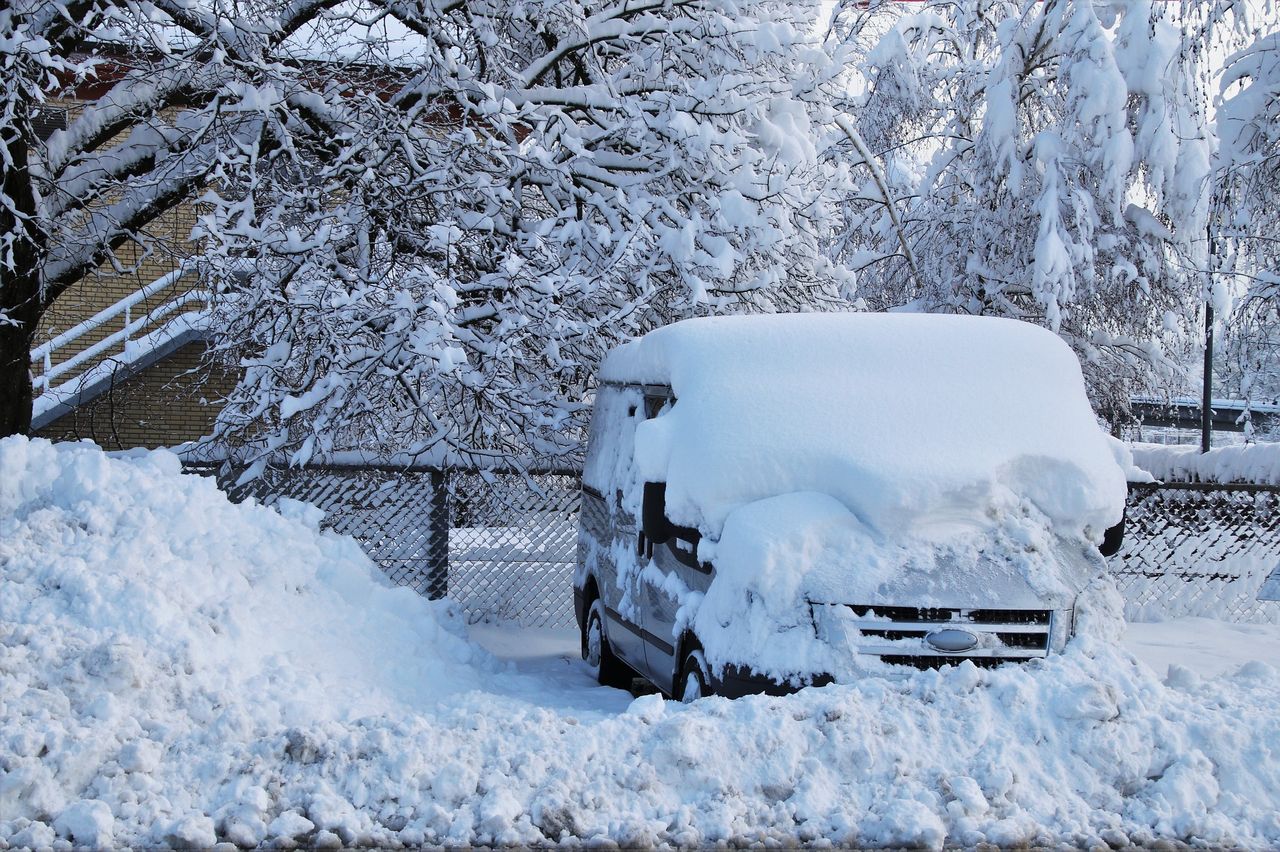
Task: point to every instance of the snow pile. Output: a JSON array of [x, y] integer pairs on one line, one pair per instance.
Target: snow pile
[[894, 415], [1256, 463], [143, 612], [177, 671]]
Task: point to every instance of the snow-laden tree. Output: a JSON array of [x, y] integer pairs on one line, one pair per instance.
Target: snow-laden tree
[[1248, 229], [522, 187], [157, 90], [1047, 161], [426, 219]]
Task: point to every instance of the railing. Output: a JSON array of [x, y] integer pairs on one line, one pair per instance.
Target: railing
[[172, 308], [1226, 415]]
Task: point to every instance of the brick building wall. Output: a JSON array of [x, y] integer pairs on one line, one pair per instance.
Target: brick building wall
[[175, 399], [167, 243]]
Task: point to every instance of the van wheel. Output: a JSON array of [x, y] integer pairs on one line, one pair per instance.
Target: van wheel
[[608, 669], [694, 680]]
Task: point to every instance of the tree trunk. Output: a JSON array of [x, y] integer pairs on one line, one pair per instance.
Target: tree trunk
[[15, 378], [21, 302]]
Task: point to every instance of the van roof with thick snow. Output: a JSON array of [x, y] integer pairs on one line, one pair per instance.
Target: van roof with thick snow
[[891, 414]]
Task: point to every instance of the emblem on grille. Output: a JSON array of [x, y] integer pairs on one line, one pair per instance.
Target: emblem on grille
[[951, 640]]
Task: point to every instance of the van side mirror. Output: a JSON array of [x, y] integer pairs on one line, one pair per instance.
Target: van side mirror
[[1113, 538], [653, 513]]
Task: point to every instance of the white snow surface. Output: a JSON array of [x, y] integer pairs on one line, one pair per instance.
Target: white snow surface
[[1255, 463], [176, 670], [1206, 647], [893, 415]]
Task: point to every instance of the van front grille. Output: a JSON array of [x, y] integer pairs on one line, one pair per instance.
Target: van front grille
[[972, 616], [897, 634], [923, 663]]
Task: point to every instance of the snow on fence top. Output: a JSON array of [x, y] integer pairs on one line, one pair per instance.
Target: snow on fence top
[[891, 414], [1254, 463]]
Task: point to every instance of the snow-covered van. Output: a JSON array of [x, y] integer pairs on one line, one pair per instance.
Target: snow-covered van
[[774, 501]]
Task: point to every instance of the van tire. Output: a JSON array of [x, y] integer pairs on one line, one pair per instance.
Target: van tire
[[695, 682], [607, 668]]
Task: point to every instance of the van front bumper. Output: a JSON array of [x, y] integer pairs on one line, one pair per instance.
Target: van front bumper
[[739, 681]]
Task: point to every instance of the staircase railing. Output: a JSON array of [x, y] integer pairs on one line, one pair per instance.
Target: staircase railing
[[168, 313]]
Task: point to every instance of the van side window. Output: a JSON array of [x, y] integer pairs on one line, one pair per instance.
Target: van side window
[[657, 400], [610, 447]]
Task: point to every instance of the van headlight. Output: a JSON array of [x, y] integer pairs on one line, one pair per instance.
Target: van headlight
[[1061, 629]]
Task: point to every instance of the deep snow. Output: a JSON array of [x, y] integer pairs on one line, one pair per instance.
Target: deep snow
[[176, 669], [1206, 647]]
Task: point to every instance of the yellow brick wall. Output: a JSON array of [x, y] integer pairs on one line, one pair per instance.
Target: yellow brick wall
[[167, 242], [173, 400]]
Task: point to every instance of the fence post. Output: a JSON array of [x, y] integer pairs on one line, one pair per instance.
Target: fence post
[[438, 545]]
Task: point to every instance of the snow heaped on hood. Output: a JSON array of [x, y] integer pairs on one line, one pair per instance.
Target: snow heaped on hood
[[897, 416]]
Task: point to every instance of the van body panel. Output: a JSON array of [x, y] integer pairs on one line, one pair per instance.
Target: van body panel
[[668, 577], [660, 613], [603, 530], [606, 528]]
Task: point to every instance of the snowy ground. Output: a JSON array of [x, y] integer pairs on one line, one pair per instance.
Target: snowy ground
[[179, 671], [1204, 645]]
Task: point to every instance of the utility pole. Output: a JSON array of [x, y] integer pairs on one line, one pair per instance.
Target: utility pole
[[1206, 395]]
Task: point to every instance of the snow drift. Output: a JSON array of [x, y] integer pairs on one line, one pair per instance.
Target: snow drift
[[145, 616], [176, 670]]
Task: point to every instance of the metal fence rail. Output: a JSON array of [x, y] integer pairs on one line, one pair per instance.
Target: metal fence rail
[[1199, 549], [502, 545], [499, 545]]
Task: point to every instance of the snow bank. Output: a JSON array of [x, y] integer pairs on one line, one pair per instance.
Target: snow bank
[[894, 415], [1256, 463], [175, 671], [144, 613]]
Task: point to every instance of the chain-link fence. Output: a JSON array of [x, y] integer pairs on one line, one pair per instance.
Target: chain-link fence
[[1199, 549], [499, 545], [513, 544], [502, 545]]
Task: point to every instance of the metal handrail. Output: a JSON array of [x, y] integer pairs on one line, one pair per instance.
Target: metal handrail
[[44, 353]]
